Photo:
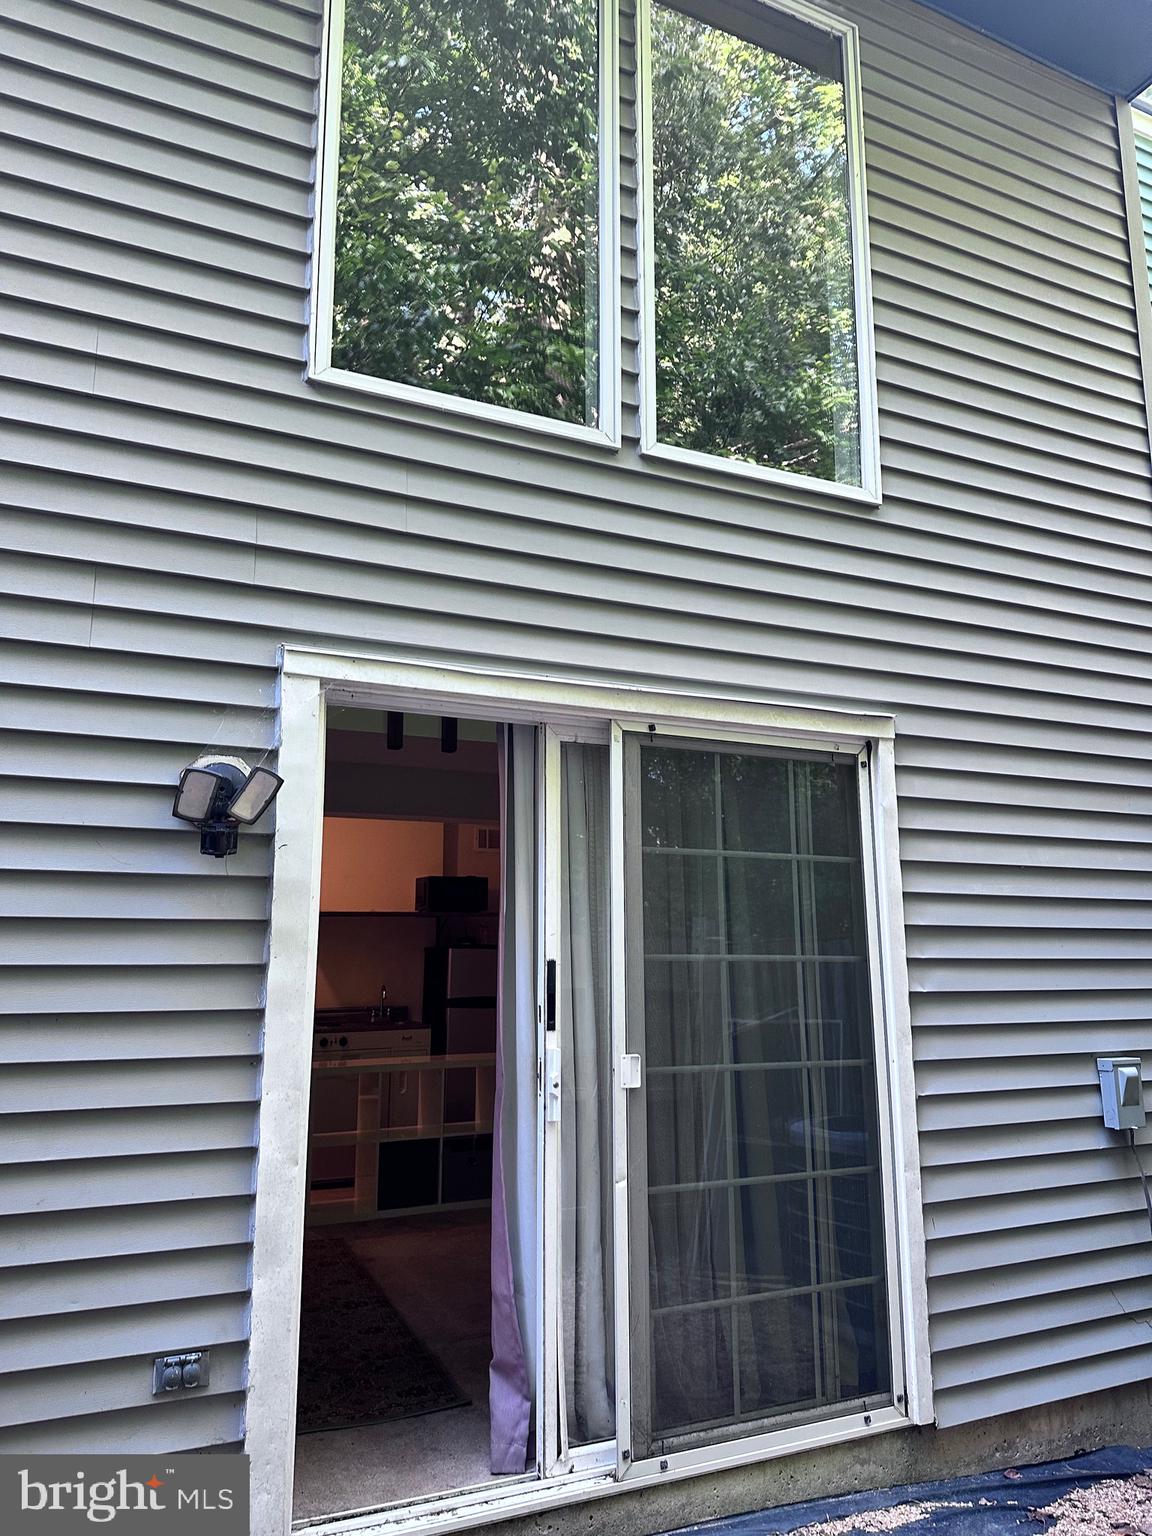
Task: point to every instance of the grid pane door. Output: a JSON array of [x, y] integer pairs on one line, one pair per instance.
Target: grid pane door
[[756, 1219]]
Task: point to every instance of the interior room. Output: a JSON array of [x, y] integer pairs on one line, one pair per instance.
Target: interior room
[[396, 1298]]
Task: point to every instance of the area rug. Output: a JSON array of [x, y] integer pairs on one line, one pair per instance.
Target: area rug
[[360, 1363]]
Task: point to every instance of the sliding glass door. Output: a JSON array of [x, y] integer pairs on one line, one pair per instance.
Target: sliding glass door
[[756, 1257], [578, 1392]]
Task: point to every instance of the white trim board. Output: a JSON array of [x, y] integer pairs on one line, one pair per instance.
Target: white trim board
[[309, 678]]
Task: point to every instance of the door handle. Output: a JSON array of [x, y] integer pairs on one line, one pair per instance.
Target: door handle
[[630, 1071], [552, 1084]]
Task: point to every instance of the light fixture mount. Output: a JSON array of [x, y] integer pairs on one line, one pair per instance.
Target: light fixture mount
[[220, 795]]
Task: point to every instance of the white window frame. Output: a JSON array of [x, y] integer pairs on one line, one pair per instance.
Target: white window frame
[[869, 489], [319, 365], [581, 707]]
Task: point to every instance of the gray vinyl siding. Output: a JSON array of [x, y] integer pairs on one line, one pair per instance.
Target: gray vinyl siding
[[180, 502]]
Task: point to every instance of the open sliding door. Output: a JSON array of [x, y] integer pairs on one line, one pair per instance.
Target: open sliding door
[[577, 1384], [753, 1270]]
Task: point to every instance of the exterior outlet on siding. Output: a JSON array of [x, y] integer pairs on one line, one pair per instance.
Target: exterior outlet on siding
[[181, 501]]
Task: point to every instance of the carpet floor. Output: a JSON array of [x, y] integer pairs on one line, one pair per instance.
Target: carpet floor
[[360, 1362], [434, 1271]]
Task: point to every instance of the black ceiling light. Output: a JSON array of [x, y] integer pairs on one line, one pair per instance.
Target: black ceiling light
[[220, 795]]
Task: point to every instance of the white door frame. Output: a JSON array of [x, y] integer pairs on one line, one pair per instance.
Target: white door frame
[[308, 680]]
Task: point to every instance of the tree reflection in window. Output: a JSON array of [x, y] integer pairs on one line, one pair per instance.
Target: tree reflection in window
[[466, 221], [754, 306]]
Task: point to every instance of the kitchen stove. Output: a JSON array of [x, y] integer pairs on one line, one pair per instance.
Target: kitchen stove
[[354, 1035]]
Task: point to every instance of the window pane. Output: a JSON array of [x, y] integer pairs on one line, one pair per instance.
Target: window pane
[[754, 301], [466, 222]]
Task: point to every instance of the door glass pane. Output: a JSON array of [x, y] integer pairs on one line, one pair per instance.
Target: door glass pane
[[761, 1287], [586, 1146]]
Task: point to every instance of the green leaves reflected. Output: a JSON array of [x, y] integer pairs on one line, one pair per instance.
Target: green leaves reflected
[[755, 335], [466, 241]]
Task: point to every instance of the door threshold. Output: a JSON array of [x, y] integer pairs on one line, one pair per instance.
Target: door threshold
[[462, 1508], [450, 1510]]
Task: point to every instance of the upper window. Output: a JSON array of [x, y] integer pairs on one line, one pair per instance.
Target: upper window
[[463, 220], [469, 243], [756, 322]]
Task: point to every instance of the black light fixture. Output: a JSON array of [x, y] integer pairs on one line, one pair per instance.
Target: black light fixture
[[220, 795], [448, 734], [394, 734]]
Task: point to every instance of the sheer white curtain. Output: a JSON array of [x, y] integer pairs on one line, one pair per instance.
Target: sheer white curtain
[[586, 1157], [514, 1236]]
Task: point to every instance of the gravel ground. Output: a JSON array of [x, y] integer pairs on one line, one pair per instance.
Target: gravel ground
[[1095, 1493], [1119, 1506]]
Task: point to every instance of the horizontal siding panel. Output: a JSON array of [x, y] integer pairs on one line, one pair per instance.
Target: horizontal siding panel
[[33, 1089], [65, 292], [95, 1183], [114, 224], [232, 177], [1089, 1340], [1082, 586], [269, 233], [118, 1037], [118, 1332], [39, 894], [940, 815], [992, 1043], [227, 727], [63, 803], [987, 1251], [1030, 884], [292, 54], [56, 51], [970, 786], [1012, 1394], [1064, 1309], [99, 31], [945, 1112], [180, 985], [111, 1388], [121, 113], [201, 1423], [110, 942], [978, 945], [217, 299], [60, 1289], [980, 1183], [82, 850], [1028, 1139], [1001, 1072], [45, 1238], [55, 1135], [1046, 1281], [1008, 1212]]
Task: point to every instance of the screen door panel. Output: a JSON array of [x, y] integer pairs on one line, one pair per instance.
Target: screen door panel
[[756, 1216]]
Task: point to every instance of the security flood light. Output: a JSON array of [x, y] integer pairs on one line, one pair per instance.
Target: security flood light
[[220, 795]]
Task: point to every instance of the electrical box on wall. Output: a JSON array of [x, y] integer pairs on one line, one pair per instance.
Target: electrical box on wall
[[1121, 1092]]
